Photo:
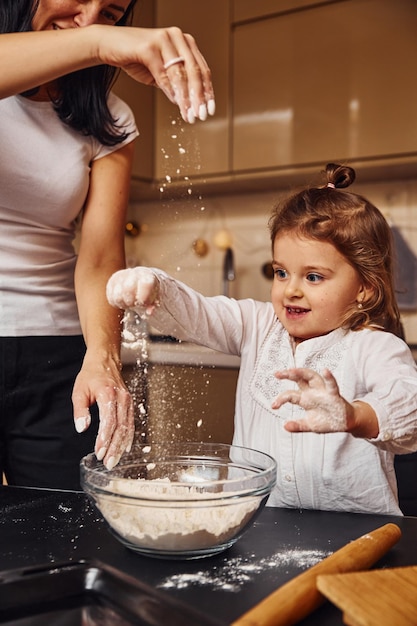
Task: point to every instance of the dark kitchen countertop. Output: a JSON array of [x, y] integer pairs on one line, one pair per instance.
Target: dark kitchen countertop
[[43, 526]]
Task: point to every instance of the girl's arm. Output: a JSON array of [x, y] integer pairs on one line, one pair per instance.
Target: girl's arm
[[101, 253], [178, 310], [31, 59]]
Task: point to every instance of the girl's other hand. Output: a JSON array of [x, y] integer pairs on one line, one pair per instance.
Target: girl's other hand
[[325, 409], [136, 288]]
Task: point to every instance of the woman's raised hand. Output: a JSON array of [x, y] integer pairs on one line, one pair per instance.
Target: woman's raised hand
[[136, 288], [166, 58]]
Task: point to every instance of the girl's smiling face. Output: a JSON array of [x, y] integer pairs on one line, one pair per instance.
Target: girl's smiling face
[[313, 286], [61, 14]]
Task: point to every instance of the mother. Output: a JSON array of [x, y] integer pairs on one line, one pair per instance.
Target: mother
[[66, 148]]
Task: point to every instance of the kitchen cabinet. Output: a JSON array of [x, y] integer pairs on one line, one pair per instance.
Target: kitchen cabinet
[[141, 99], [298, 83], [179, 402], [203, 148], [330, 82], [249, 10], [168, 148]]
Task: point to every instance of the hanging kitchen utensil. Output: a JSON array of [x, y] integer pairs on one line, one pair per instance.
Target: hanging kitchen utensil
[[222, 239], [200, 247], [267, 270], [133, 229], [405, 271]]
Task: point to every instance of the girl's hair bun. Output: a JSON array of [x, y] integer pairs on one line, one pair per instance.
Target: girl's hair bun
[[339, 176]]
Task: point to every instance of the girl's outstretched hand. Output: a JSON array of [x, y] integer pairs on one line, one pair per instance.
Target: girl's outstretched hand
[[136, 288], [325, 409]]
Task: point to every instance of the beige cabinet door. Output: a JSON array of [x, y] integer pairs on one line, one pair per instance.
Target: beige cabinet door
[[250, 9], [182, 402], [203, 148], [334, 81], [140, 98]]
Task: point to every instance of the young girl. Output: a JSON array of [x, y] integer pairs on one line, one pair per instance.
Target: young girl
[[325, 386], [67, 146]]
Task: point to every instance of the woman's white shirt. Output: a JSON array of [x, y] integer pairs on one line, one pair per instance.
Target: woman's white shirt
[[44, 172]]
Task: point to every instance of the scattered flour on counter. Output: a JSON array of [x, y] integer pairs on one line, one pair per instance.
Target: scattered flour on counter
[[194, 525], [239, 571], [64, 509]]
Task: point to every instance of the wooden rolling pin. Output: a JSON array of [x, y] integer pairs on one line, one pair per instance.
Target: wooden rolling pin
[[300, 596]]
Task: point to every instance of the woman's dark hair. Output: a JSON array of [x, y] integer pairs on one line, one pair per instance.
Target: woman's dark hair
[[16, 15], [358, 230], [82, 101]]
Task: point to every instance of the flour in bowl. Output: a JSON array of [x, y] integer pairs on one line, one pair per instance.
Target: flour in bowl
[[172, 516]]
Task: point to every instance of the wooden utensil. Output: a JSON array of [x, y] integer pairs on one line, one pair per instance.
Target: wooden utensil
[[300, 596], [388, 597]]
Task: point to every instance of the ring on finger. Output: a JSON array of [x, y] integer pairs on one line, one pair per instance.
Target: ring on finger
[[173, 62]]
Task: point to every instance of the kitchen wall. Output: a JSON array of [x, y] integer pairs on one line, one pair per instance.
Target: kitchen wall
[[170, 226]]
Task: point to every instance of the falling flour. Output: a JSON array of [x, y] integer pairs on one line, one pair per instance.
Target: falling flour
[[177, 525]]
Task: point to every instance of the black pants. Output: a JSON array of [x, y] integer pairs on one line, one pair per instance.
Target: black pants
[[39, 446]]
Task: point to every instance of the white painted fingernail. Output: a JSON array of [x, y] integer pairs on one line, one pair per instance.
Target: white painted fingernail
[[190, 116], [202, 112], [101, 454], [211, 106], [112, 462], [81, 424]]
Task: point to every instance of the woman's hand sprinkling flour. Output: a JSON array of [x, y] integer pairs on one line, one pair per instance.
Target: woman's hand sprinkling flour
[[135, 288], [326, 411]]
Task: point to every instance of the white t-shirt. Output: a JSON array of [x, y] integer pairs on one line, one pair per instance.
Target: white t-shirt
[[333, 471], [44, 180]]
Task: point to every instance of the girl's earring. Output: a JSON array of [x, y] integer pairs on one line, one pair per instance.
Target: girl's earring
[[360, 305]]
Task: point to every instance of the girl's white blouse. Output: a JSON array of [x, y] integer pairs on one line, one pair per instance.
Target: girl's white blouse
[[333, 471]]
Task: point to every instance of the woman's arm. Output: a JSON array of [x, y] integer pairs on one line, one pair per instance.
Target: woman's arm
[[31, 59], [101, 253]]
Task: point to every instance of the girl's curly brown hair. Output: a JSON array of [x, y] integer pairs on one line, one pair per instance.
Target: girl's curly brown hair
[[358, 230]]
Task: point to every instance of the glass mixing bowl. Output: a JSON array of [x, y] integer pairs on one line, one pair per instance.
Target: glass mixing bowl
[[184, 500]]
